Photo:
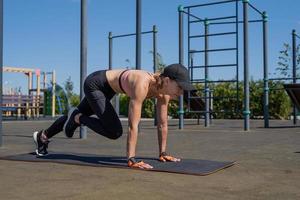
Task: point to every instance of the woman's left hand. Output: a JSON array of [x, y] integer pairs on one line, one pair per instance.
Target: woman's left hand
[[164, 157]]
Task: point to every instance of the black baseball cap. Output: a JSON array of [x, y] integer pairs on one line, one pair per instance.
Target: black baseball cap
[[180, 74]]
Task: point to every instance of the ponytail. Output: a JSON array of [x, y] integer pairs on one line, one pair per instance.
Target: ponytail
[[158, 80]]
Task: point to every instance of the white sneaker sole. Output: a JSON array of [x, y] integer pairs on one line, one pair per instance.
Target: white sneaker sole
[[69, 116], [36, 143]]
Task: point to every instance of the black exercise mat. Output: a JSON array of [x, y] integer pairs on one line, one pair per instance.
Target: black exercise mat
[[293, 91], [186, 166]]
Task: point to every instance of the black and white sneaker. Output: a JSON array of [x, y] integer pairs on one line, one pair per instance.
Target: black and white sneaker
[[41, 147], [70, 125]]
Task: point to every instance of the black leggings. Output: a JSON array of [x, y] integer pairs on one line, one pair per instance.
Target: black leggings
[[98, 94]]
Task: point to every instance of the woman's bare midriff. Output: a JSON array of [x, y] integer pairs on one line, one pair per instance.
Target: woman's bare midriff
[[113, 79]]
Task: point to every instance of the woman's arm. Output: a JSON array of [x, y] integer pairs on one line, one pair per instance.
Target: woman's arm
[[134, 117], [162, 122], [162, 129]]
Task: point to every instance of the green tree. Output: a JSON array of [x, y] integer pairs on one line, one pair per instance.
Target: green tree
[[69, 86], [159, 60], [285, 61], [73, 99]]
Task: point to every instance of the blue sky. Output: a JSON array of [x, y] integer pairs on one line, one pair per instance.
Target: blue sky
[[44, 34]]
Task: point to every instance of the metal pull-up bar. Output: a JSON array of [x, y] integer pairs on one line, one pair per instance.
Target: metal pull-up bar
[[210, 4], [130, 34], [110, 44]]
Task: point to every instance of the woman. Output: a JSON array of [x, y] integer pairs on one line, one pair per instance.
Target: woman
[[101, 86]]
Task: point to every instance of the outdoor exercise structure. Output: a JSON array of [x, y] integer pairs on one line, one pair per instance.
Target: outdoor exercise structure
[[33, 101], [293, 89], [111, 38], [154, 48], [28, 72], [44, 96], [205, 103], [138, 34], [206, 23], [83, 47], [83, 51]]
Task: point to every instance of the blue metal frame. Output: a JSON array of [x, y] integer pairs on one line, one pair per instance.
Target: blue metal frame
[[192, 18]]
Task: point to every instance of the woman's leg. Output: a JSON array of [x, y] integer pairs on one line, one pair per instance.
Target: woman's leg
[[107, 122], [97, 96], [58, 124], [56, 127], [41, 138]]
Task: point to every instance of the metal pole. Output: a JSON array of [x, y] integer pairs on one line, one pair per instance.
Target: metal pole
[[181, 111], [116, 98], [237, 107], [110, 43], [138, 39], [191, 74], [206, 47], [1, 66], [83, 55], [44, 87], [294, 46], [138, 49], [29, 82], [155, 68], [266, 76], [190, 61], [246, 111], [154, 48], [53, 93], [38, 92]]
